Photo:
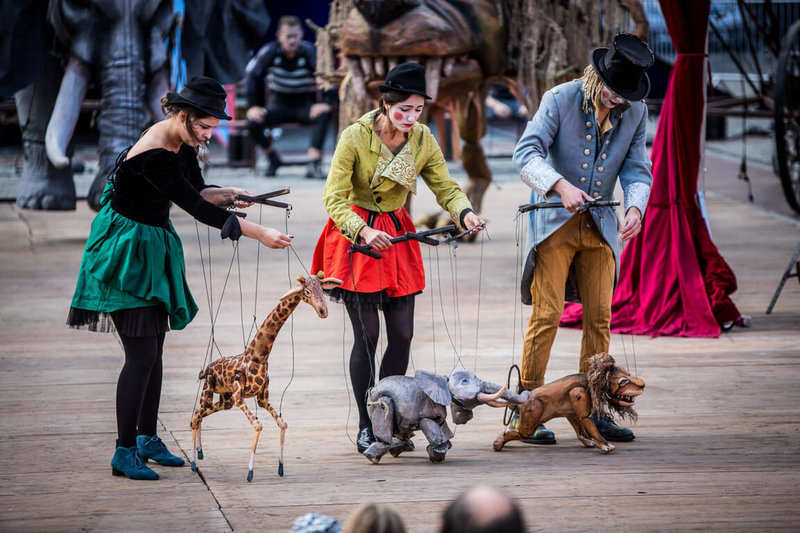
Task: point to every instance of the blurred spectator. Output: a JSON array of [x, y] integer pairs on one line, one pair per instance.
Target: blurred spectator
[[482, 509], [374, 518], [501, 104], [290, 94], [315, 523]]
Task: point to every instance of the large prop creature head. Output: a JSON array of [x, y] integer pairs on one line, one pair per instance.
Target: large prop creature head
[[612, 387]]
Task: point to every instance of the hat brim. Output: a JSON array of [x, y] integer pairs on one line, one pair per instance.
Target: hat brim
[[636, 95], [384, 88], [175, 98]]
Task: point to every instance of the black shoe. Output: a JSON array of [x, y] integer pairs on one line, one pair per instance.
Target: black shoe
[[612, 432], [365, 439], [314, 170], [273, 162]]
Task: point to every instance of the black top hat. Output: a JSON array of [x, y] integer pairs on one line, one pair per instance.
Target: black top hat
[[407, 78], [622, 67], [204, 94]]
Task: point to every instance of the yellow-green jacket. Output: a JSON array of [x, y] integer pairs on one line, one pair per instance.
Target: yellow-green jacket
[[365, 173]]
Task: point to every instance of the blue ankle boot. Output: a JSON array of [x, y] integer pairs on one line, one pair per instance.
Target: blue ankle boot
[[155, 449], [126, 462]]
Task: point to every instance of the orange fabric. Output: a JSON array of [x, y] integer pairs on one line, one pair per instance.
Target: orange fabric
[[399, 272]]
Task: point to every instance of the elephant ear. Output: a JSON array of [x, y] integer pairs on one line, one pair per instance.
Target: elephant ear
[[434, 386]]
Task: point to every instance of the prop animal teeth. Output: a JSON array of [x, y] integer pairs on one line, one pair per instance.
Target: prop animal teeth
[[365, 69]]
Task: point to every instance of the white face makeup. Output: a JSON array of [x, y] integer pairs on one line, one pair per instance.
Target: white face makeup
[[610, 99], [406, 113]]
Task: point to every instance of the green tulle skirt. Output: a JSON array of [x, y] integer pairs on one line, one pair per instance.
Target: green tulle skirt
[[128, 265]]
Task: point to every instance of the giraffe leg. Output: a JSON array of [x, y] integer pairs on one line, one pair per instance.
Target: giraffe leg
[[206, 408], [263, 401], [206, 399], [238, 400], [253, 456]]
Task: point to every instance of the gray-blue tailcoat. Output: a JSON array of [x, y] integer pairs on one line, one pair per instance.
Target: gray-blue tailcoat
[[563, 141]]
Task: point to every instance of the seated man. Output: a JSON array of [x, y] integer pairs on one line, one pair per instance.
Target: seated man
[[501, 104], [288, 65]]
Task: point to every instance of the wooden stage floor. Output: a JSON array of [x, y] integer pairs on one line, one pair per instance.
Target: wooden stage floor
[[718, 435]]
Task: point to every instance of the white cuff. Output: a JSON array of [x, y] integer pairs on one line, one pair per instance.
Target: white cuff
[[636, 195], [539, 176]]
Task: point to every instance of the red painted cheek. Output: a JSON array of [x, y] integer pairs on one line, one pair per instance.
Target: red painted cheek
[[398, 115]]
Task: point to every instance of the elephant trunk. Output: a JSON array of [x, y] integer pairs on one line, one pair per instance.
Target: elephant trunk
[[122, 117], [492, 389], [66, 111], [491, 399], [156, 88]]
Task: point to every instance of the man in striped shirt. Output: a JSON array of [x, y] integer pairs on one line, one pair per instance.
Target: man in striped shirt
[[283, 71]]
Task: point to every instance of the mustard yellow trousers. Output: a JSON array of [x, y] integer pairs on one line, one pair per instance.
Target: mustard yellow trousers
[[577, 243]]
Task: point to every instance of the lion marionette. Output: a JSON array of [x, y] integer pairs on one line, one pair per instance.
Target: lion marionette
[[606, 388]]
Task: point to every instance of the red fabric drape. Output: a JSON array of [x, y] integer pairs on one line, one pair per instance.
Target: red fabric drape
[[673, 280]]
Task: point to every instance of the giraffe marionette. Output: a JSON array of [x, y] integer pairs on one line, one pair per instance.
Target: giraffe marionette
[[242, 376]]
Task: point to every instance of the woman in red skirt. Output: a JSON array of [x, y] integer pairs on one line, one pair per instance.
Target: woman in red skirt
[[375, 166]]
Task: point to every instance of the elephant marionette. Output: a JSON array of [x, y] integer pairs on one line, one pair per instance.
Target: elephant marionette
[[399, 405]]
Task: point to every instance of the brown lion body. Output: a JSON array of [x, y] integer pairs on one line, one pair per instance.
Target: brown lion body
[[607, 387]]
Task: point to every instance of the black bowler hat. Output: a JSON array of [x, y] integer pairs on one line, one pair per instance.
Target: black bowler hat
[[622, 67], [204, 94], [407, 78]]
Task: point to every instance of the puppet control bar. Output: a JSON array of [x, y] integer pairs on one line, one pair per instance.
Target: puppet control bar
[[548, 205], [420, 236], [263, 199]]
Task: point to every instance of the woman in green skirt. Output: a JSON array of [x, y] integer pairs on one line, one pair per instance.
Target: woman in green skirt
[[132, 275]]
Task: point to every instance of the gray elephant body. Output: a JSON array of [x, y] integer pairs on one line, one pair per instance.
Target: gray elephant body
[[400, 405]]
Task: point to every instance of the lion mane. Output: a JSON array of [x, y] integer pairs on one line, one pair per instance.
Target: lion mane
[[602, 376]]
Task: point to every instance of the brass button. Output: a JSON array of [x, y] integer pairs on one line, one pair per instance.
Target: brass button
[[598, 183], [582, 180], [603, 156], [588, 124], [587, 152], [588, 137], [585, 166], [600, 169]]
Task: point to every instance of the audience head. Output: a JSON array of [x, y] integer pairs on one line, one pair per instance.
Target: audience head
[[374, 518], [483, 509]]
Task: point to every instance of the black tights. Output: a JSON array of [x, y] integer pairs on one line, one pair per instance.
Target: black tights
[[366, 331], [139, 388]]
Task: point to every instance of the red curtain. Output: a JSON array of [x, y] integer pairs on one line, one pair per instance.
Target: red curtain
[[672, 279]]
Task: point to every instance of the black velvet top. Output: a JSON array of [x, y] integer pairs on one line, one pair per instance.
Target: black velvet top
[[146, 185]]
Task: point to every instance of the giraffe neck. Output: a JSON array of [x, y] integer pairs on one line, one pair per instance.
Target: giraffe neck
[[261, 345]]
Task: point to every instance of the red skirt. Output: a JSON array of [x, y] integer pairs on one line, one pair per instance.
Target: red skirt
[[399, 273]]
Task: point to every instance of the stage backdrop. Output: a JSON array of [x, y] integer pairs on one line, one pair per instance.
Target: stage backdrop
[[673, 280]]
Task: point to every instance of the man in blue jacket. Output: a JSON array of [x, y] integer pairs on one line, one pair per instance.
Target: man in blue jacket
[[586, 134]]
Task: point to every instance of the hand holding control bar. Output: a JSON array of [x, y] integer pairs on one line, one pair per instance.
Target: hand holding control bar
[[264, 198], [420, 236], [548, 205]]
